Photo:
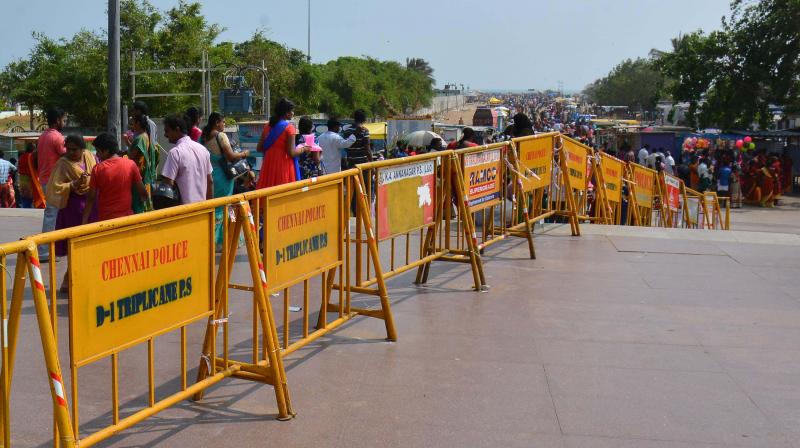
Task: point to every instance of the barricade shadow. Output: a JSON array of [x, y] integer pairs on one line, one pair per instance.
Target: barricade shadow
[[214, 409]]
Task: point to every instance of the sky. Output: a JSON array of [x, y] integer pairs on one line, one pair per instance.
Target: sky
[[485, 44]]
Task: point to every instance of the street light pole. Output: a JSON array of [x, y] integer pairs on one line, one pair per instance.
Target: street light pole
[[114, 122], [308, 54]]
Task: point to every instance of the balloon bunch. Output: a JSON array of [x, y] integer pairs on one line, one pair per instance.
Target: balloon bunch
[[703, 143], [689, 144], [745, 144]]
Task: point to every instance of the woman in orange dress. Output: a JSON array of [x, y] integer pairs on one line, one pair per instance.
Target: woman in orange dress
[[277, 144]]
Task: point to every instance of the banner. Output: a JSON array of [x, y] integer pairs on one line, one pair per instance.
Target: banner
[[536, 155], [576, 163], [482, 171], [645, 180], [673, 187], [303, 232], [406, 196], [130, 284], [612, 175]]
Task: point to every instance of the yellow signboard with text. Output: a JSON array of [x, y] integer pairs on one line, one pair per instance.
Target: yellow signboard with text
[[406, 198], [645, 180], [483, 178], [536, 155], [133, 283], [612, 175], [576, 155], [304, 233]]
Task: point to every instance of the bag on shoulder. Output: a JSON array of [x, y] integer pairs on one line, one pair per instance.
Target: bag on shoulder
[[232, 170]]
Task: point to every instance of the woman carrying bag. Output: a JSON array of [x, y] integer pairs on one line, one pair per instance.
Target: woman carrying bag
[[222, 155]]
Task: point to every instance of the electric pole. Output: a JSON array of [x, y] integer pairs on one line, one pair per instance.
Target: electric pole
[[308, 54], [114, 122]]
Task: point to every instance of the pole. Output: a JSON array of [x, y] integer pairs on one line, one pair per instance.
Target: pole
[[114, 100], [265, 90], [308, 54]]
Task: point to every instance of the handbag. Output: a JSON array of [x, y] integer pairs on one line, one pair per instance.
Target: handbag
[[232, 170]]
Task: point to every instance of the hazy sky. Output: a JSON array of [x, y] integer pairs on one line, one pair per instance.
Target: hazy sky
[[516, 44]]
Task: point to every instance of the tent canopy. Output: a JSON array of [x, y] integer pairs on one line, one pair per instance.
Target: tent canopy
[[377, 131]]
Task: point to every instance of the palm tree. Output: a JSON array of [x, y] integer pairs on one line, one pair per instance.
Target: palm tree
[[422, 66]]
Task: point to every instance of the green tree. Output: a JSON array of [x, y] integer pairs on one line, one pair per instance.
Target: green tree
[[730, 77], [422, 66], [633, 83], [71, 73]]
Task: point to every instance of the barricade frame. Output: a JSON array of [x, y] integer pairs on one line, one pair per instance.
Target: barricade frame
[[645, 211], [449, 186], [490, 233], [268, 369], [527, 201]]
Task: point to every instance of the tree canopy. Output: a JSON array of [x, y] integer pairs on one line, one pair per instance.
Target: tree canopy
[[71, 73], [729, 77], [633, 83]]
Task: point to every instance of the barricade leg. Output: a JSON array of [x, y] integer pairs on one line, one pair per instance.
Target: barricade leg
[[469, 229], [50, 349], [223, 274], [258, 274], [363, 220], [14, 314], [528, 229], [372, 245]]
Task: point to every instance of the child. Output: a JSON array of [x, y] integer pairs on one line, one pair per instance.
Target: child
[[112, 181], [311, 161]]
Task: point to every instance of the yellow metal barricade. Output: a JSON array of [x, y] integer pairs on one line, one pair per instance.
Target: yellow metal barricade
[[606, 176], [489, 182], [672, 202], [306, 237], [408, 201], [529, 162], [135, 279], [131, 280], [642, 201], [573, 177], [712, 213], [539, 188]]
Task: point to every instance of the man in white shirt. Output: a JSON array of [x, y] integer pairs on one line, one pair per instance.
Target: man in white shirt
[[332, 145], [669, 162], [643, 154], [188, 164]]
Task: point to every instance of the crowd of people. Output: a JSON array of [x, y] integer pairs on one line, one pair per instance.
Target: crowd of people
[[74, 186]]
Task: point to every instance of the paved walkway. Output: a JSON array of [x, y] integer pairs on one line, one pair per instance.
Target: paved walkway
[[620, 338]]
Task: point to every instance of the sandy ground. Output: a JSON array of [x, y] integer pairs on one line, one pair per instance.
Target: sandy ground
[[453, 116]]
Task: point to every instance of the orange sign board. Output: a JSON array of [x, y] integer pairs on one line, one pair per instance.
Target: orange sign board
[[483, 178], [536, 156], [132, 283], [673, 187]]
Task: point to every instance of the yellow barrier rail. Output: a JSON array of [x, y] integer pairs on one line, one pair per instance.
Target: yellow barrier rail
[[162, 273]]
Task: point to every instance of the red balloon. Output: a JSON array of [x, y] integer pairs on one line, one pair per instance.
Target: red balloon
[[748, 139], [739, 144]]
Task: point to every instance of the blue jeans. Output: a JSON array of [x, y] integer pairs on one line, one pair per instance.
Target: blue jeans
[[48, 225]]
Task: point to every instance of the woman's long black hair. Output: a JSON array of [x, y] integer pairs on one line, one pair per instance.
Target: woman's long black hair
[[213, 119], [283, 107]]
